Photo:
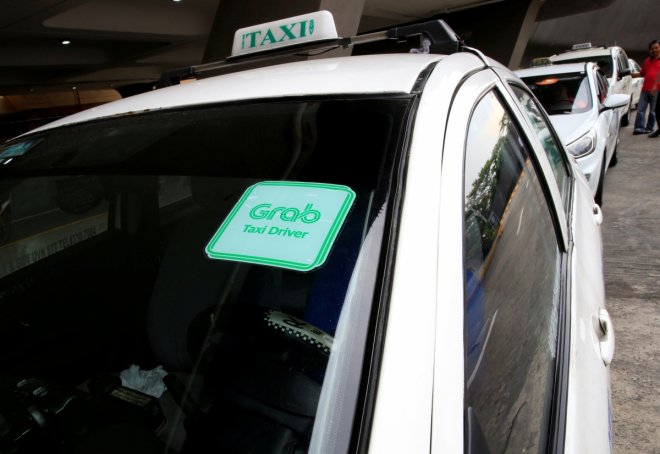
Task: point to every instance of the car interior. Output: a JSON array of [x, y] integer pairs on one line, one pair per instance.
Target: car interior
[[104, 270]]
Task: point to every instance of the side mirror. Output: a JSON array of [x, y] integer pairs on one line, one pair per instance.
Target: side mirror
[[615, 101]]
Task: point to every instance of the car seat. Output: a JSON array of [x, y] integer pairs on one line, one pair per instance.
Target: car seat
[[188, 282]]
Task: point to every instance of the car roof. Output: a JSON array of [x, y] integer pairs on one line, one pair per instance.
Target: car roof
[[553, 69], [368, 74], [582, 53]]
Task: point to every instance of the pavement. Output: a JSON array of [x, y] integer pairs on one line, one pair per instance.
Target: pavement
[[631, 246]]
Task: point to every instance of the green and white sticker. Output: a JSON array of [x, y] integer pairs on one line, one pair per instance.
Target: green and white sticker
[[283, 223]]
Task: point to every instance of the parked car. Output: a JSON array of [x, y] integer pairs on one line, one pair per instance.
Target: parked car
[[613, 61], [637, 82], [584, 115], [379, 253]]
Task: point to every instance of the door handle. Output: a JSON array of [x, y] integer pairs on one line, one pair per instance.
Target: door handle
[[598, 214], [606, 336]]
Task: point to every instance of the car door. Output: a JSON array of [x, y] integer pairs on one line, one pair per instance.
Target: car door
[[608, 120], [622, 83], [624, 71], [500, 201], [637, 83], [586, 396], [513, 295]]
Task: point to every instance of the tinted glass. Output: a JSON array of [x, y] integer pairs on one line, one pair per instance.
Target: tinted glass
[[547, 139], [512, 282], [106, 282], [634, 66], [562, 93], [623, 62]]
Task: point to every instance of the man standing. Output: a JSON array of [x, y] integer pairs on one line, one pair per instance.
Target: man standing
[[647, 99], [656, 133]]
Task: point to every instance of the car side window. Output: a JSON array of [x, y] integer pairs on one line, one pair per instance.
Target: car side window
[[512, 285], [552, 148], [623, 62], [602, 87], [635, 67]]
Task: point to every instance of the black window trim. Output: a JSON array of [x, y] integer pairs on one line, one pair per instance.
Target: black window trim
[[360, 438], [562, 231]]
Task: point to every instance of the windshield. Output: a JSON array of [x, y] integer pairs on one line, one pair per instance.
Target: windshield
[[189, 278], [562, 93]]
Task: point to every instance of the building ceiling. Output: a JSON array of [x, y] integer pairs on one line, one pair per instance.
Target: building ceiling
[[621, 24], [115, 42], [48, 45], [111, 42]]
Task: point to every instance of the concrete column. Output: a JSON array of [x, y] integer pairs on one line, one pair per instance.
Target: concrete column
[[234, 14], [524, 35]]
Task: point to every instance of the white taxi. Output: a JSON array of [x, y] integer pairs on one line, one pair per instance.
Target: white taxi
[[637, 83], [613, 61], [385, 253], [583, 112]]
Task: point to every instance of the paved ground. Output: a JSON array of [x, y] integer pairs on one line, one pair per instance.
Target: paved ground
[[631, 236]]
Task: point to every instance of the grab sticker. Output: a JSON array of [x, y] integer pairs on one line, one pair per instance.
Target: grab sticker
[[283, 223]]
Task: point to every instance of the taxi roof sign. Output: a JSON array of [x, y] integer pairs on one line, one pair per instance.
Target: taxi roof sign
[[316, 26], [312, 34], [579, 46]]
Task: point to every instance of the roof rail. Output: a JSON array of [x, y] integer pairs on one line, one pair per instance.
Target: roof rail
[[435, 33]]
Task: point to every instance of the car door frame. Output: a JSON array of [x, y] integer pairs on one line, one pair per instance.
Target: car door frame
[[406, 389], [608, 119], [606, 125]]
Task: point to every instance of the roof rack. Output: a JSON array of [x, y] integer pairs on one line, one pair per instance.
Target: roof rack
[[295, 39]]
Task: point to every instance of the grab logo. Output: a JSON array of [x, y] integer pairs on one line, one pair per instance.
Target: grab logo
[[264, 211], [288, 224]]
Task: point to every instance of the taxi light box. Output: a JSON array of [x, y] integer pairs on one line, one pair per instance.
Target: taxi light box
[[317, 26]]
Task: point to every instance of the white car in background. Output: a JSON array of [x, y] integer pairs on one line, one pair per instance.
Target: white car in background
[[637, 83], [614, 63], [576, 98], [380, 253]]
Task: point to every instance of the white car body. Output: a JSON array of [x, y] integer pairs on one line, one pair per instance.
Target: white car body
[[414, 401], [637, 82], [598, 121], [615, 64]]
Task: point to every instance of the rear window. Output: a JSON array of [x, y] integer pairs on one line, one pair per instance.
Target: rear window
[[562, 93], [126, 313]]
